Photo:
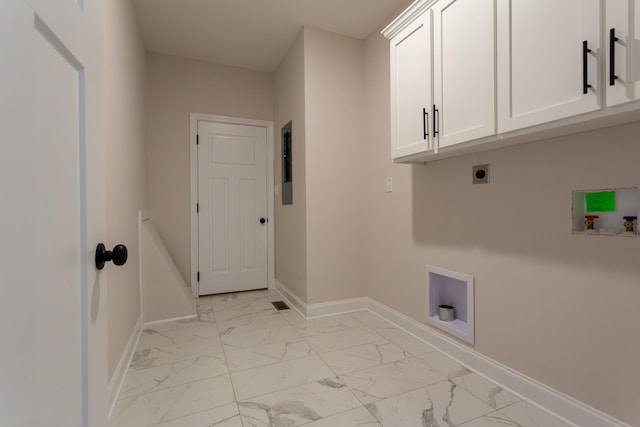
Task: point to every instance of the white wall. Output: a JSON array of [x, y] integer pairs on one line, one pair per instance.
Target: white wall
[[557, 307], [291, 220], [125, 126], [175, 88]]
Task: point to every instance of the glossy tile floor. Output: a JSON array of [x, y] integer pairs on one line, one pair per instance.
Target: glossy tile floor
[[244, 364]]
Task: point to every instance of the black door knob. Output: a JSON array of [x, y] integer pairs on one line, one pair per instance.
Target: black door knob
[[262, 220], [118, 255]]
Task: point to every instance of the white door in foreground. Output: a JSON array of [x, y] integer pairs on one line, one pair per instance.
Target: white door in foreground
[[53, 367]]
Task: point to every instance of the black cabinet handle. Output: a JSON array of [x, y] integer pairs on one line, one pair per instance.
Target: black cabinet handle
[[425, 123], [118, 255], [585, 77], [263, 220], [612, 56], [435, 120]]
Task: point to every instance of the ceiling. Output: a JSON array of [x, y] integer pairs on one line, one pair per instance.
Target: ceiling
[[253, 34]]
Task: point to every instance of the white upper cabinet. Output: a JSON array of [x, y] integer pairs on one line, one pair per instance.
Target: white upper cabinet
[[469, 75], [547, 60], [464, 70], [411, 89], [622, 35]]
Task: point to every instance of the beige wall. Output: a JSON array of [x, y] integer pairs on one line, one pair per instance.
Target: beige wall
[[319, 253], [291, 220], [175, 88], [125, 165], [166, 295], [559, 308], [334, 98]]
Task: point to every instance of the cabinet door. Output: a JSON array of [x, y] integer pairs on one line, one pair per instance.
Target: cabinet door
[[541, 60], [464, 70], [623, 46], [411, 90]]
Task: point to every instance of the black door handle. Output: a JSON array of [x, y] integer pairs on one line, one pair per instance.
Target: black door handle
[[263, 220], [118, 255]]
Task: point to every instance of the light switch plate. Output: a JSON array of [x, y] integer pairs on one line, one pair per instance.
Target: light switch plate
[[388, 184]]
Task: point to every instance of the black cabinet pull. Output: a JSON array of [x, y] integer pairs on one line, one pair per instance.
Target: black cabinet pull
[[585, 77], [435, 120], [612, 56], [425, 123]]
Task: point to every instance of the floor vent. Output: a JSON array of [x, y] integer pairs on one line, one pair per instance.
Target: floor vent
[[280, 305]]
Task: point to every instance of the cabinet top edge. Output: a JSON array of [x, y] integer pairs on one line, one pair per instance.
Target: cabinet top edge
[[416, 9]]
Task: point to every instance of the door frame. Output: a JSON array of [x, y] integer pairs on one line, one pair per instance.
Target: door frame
[[193, 148]]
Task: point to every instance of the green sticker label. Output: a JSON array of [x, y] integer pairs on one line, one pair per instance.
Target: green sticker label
[[603, 201]]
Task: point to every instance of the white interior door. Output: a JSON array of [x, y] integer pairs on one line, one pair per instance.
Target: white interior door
[[52, 306], [232, 198]]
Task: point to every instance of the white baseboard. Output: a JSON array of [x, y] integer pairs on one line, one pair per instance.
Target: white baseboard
[[311, 311], [336, 307], [546, 398], [291, 299], [189, 317], [117, 380]]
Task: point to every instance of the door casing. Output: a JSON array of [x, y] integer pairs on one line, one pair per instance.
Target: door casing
[[194, 118]]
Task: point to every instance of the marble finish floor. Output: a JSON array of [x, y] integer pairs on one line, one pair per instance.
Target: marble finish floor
[[241, 363]]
